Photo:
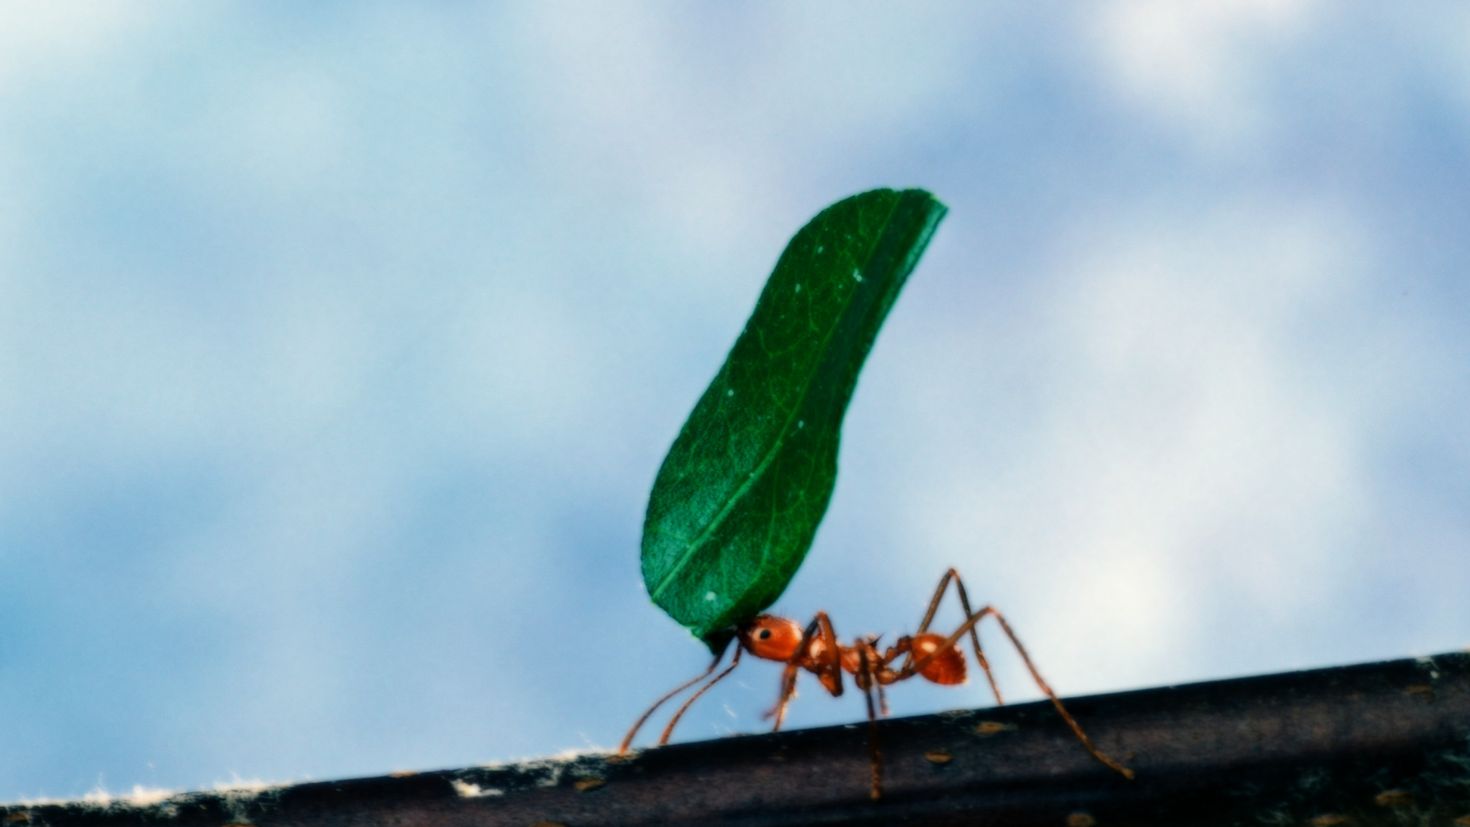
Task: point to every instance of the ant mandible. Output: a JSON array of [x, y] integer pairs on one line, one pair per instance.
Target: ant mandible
[[816, 649]]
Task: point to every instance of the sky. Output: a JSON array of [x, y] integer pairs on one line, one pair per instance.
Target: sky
[[340, 344]]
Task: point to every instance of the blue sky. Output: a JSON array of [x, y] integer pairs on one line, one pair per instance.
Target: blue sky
[[339, 347]]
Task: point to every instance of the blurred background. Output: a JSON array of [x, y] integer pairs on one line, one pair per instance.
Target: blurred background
[[339, 346]]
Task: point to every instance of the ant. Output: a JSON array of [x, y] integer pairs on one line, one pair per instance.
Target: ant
[[931, 656]]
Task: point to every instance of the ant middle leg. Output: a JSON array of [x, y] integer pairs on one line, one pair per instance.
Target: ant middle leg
[[868, 664]]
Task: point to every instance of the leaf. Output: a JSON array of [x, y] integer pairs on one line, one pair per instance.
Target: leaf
[[739, 497]]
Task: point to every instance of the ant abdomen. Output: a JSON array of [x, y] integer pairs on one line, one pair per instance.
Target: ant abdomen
[[947, 667]]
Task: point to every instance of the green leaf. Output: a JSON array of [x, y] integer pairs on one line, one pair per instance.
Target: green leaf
[[739, 497]]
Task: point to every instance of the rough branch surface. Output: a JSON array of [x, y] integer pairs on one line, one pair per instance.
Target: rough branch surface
[[1385, 743]]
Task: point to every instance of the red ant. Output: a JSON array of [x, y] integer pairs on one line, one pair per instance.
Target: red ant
[[816, 649]]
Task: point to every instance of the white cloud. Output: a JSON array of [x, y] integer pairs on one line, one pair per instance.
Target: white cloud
[[1192, 408], [1201, 67], [1181, 453], [38, 39]]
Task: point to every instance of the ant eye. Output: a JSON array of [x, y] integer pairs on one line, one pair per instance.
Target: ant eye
[[764, 633]]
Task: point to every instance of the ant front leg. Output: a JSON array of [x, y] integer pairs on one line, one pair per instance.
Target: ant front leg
[[628, 739], [959, 586], [674, 721], [828, 670]]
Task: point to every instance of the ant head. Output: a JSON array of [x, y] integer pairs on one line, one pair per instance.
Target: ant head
[[771, 637]]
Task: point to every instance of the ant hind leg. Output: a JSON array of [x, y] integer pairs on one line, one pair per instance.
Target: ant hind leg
[[990, 611], [954, 576]]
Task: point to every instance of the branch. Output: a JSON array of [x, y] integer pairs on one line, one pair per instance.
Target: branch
[[1384, 743]]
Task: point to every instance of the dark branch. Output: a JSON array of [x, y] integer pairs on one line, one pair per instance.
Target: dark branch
[[1362, 745]]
